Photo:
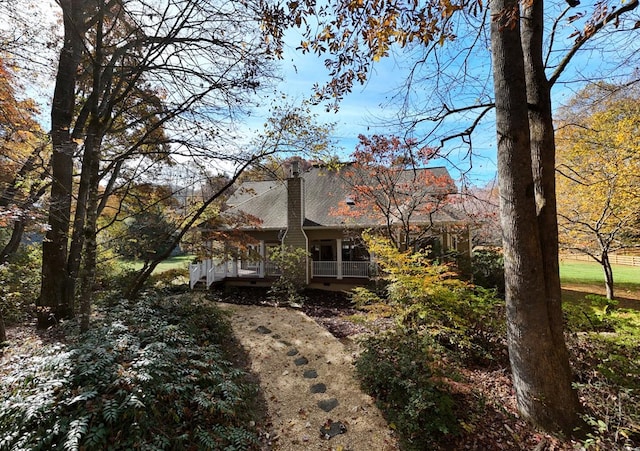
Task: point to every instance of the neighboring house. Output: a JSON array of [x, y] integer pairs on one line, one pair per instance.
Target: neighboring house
[[308, 211]]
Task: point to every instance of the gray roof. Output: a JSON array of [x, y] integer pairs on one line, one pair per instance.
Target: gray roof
[[325, 193], [250, 189]]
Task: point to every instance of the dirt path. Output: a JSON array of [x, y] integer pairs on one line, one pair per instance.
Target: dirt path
[[313, 399]]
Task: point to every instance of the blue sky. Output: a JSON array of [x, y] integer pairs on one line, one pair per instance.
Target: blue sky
[[366, 110], [363, 111]]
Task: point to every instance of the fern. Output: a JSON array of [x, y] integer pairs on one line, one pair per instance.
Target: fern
[[114, 383]]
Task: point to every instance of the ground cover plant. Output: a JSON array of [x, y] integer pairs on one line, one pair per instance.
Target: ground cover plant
[[148, 375]]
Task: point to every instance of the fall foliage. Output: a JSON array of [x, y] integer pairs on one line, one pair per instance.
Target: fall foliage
[[599, 173], [390, 183]]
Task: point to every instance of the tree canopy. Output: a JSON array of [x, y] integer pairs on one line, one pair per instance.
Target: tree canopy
[[599, 173], [390, 179]]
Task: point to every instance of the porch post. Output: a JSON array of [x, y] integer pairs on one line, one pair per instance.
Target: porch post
[[234, 264], [372, 268], [261, 251], [339, 256]]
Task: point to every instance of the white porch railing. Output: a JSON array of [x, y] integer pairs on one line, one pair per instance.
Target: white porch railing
[[271, 269], [325, 269], [349, 269], [208, 271], [195, 274], [355, 269]]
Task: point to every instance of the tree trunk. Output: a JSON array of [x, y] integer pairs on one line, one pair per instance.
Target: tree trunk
[[3, 330], [78, 236], [608, 274], [53, 302], [14, 242], [532, 349], [543, 164], [90, 176]]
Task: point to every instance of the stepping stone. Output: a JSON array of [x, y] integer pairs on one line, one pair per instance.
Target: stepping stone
[[318, 388], [332, 428], [263, 330], [328, 404], [301, 361], [291, 352], [310, 374]]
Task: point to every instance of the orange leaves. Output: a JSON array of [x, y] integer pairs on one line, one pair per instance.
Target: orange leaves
[[508, 18]]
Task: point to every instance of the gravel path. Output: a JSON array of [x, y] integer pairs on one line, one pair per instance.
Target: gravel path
[[313, 399]]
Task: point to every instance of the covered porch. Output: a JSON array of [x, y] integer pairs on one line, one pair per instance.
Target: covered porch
[[330, 258]]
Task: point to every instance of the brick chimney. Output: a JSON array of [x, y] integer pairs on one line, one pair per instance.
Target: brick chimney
[[294, 235]]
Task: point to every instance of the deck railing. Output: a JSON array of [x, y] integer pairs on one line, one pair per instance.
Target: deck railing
[[349, 269], [355, 269], [211, 272]]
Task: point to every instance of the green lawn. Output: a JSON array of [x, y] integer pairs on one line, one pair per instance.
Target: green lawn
[[181, 261], [591, 273]]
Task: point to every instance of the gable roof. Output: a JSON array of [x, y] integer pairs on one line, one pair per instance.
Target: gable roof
[[325, 191]]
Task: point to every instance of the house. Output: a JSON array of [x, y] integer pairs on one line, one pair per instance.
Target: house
[[312, 211]]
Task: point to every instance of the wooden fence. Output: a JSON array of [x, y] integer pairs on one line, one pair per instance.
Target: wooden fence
[[628, 260]]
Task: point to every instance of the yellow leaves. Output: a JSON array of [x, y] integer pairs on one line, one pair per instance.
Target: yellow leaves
[[599, 170]]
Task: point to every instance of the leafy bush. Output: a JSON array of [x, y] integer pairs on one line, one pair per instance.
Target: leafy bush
[[292, 263], [174, 280], [592, 314], [441, 321], [466, 319], [604, 343], [20, 283], [399, 369], [151, 376], [487, 267]]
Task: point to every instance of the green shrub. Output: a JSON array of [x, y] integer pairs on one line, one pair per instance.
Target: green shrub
[[150, 376], [173, 280], [466, 319], [487, 266], [292, 263], [20, 283], [398, 369], [592, 314], [604, 343]]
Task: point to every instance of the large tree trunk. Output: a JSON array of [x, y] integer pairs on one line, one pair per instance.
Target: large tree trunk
[[90, 175], [53, 302], [532, 349], [78, 236], [543, 152]]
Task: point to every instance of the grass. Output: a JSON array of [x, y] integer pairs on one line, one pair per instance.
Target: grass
[[588, 273], [178, 262]]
